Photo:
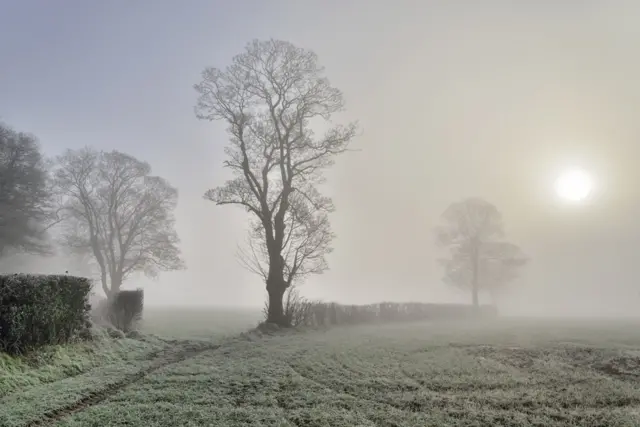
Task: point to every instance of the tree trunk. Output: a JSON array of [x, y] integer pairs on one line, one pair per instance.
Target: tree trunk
[[276, 285], [105, 285], [113, 289], [474, 283], [474, 296], [275, 313]]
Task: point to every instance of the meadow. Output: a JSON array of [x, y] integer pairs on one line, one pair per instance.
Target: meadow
[[204, 372]]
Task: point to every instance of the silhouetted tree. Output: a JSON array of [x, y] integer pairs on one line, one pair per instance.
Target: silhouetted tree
[[115, 210], [479, 258], [26, 211], [307, 241], [268, 97]]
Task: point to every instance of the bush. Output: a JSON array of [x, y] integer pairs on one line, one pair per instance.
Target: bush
[[37, 310], [125, 310], [298, 310]]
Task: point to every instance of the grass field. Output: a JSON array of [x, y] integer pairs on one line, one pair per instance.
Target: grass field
[[199, 322], [502, 373]]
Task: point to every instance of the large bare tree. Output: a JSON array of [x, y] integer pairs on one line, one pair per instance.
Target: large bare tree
[[26, 211], [479, 257], [269, 96], [115, 210], [307, 241]]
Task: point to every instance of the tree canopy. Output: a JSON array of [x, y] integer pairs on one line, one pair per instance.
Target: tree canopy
[[113, 208], [26, 211], [479, 257], [268, 97]]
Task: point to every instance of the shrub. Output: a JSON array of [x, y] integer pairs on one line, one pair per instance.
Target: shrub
[[298, 311], [125, 310], [37, 310]]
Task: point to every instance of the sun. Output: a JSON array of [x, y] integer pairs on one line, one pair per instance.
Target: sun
[[574, 185]]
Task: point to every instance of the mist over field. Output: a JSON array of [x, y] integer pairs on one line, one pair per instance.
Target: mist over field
[[454, 100], [319, 213]]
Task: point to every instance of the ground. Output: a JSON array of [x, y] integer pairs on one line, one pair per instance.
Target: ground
[[511, 372]]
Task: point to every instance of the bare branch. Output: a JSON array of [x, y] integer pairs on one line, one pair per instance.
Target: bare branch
[[268, 97], [479, 258], [114, 209]]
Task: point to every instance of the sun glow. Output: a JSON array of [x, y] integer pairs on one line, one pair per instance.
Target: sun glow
[[574, 185]]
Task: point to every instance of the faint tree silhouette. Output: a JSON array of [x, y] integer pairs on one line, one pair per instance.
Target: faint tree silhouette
[[26, 209], [479, 257], [114, 209]]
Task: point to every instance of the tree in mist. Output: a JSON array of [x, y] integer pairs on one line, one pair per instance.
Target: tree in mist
[[479, 257], [114, 209], [26, 211], [269, 96]]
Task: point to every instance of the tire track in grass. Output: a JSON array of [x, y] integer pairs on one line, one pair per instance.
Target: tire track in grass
[[331, 388], [327, 387], [170, 357]]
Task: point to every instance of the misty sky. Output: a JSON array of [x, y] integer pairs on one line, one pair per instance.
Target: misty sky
[[454, 98]]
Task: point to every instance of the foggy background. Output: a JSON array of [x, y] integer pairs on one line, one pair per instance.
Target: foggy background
[[455, 99]]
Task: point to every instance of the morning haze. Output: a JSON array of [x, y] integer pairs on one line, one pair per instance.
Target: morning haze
[[454, 100]]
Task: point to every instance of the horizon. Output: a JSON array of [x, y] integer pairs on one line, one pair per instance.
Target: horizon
[[448, 108]]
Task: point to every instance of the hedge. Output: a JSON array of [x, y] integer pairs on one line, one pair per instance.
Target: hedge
[[37, 310], [302, 312], [125, 310]]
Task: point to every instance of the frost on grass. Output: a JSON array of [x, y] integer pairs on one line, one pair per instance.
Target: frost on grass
[[55, 363], [395, 375]]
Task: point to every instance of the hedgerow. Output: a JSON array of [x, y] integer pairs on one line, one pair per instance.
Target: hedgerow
[[37, 310], [300, 311]]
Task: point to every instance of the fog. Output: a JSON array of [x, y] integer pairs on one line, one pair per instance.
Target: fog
[[454, 98]]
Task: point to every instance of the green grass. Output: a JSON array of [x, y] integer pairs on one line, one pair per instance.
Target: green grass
[[58, 362], [204, 323], [57, 376], [503, 373]]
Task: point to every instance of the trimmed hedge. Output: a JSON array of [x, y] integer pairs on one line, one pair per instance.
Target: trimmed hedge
[[125, 310], [37, 310], [302, 312]]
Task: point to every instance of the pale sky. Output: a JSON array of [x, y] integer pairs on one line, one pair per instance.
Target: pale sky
[[455, 99]]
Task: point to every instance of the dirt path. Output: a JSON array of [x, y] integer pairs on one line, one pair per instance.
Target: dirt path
[[163, 358]]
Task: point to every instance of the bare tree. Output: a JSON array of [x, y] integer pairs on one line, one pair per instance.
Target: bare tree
[[268, 97], [479, 258], [307, 241], [115, 210], [26, 212]]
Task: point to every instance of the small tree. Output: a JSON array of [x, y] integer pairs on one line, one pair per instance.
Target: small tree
[[268, 97], [114, 209], [479, 258], [25, 204]]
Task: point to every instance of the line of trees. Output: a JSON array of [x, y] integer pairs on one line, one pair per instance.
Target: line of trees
[[101, 206], [108, 207]]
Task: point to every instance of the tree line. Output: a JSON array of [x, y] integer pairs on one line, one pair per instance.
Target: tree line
[[110, 208]]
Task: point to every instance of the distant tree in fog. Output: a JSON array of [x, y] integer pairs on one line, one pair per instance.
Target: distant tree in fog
[[268, 97], [479, 257], [114, 209], [26, 212]]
